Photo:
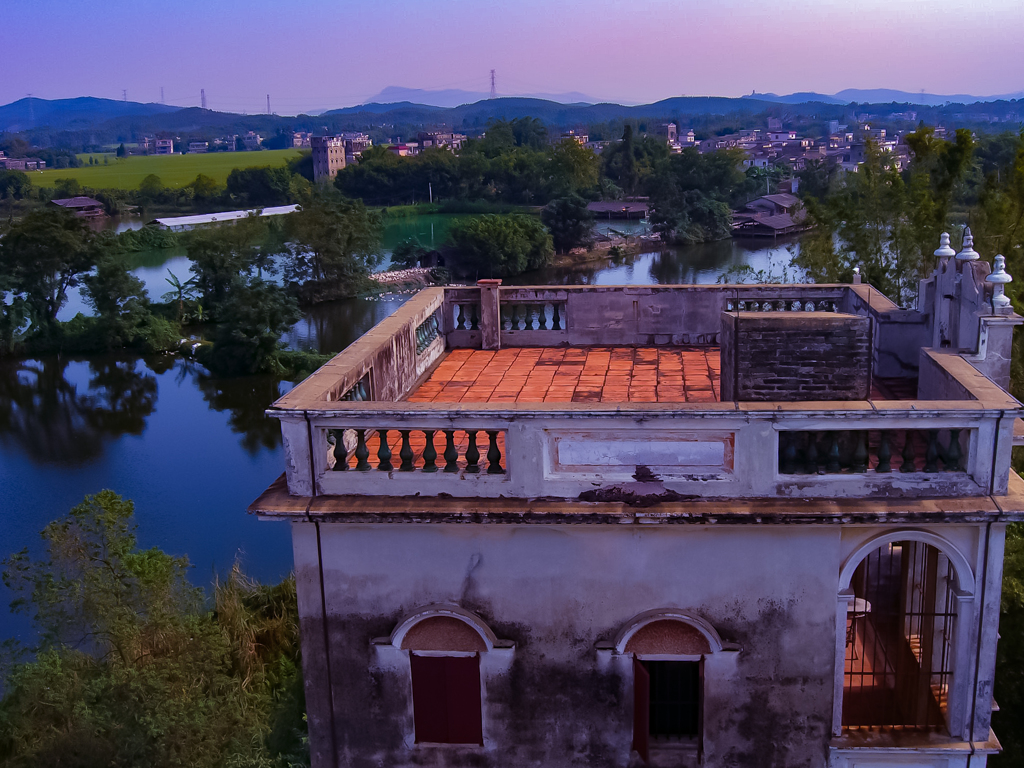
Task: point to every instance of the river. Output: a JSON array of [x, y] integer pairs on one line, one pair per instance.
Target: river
[[193, 451]]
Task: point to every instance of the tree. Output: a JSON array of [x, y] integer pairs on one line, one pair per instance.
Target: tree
[[267, 185], [151, 187], [180, 292], [133, 668], [574, 168], [569, 222], [14, 185], [122, 151], [249, 329], [1009, 680], [41, 258], [119, 299], [335, 241], [222, 257], [499, 246], [204, 187], [884, 221], [691, 195], [408, 253]]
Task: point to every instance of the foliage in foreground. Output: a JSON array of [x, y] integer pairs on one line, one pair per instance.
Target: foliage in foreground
[[134, 668]]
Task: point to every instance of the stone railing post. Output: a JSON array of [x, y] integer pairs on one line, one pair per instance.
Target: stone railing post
[[490, 314]]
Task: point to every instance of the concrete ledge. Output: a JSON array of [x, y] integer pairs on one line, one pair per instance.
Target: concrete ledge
[[276, 503]]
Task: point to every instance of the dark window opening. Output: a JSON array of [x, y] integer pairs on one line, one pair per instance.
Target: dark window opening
[[667, 703], [899, 639], [446, 699], [675, 698]]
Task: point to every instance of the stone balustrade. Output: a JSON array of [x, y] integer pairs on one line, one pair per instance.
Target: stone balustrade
[[349, 430]]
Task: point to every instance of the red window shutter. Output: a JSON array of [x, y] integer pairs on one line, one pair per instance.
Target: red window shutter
[[446, 699], [465, 724], [641, 709], [429, 698]]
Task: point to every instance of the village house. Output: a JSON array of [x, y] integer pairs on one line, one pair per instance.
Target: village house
[[83, 207], [252, 141], [328, 157], [21, 163], [672, 525], [198, 147]]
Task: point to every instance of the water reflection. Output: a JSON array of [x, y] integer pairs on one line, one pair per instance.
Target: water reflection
[[245, 399], [332, 326], [47, 412]]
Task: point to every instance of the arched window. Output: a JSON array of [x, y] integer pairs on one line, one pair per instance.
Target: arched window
[[668, 650], [444, 645], [902, 616]]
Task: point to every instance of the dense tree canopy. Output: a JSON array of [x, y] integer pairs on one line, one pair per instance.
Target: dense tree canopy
[[133, 668], [498, 246]]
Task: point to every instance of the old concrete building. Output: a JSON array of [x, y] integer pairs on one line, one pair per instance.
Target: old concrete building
[[328, 157], [722, 525]]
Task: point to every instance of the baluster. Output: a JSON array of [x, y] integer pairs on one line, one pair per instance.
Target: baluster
[[556, 324], [460, 325], [909, 453], [931, 454], [451, 453], [474, 318], [340, 456], [884, 453], [953, 453], [494, 455], [521, 313], [362, 452], [472, 453], [406, 453], [788, 453], [429, 452], [860, 452], [812, 453], [506, 319], [832, 465], [542, 312], [383, 452], [528, 317]]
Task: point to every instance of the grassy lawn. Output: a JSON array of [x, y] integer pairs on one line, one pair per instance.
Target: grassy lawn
[[173, 170]]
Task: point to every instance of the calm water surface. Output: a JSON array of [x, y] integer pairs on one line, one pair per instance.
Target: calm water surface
[[193, 451]]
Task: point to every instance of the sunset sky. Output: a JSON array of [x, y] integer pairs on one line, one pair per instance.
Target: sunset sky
[[318, 54]]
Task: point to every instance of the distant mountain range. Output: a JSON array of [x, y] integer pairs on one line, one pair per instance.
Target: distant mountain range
[[71, 114], [89, 121], [881, 96], [455, 98]]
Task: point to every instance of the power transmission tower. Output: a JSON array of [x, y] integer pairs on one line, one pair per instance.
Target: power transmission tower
[[268, 103], [202, 97], [494, 91], [124, 96], [162, 95]]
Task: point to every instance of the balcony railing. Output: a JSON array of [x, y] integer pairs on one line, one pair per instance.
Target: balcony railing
[[349, 431]]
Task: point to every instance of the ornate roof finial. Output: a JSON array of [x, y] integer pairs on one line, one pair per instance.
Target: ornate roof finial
[[944, 251], [999, 278], [968, 253]]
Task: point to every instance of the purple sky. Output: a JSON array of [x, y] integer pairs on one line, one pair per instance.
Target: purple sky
[[318, 54]]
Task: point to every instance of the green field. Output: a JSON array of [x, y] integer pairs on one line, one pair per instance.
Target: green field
[[173, 170]]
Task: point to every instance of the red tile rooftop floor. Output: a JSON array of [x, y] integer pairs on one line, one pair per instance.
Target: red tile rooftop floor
[[575, 375]]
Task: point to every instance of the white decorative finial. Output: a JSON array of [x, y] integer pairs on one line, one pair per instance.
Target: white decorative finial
[[999, 278], [967, 253], [856, 276], [944, 251]]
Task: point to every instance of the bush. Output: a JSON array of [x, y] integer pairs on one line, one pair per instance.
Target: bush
[[499, 246]]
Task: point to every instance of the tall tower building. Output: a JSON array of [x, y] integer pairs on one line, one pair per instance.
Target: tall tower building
[[328, 156]]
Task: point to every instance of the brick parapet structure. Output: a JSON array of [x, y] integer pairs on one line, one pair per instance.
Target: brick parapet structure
[[793, 356]]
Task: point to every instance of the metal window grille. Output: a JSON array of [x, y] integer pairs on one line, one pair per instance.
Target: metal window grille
[[899, 633], [675, 698]]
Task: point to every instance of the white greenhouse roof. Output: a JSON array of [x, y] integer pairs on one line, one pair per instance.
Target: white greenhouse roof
[[187, 222]]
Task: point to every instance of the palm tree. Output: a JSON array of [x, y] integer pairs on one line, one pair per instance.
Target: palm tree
[[183, 291]]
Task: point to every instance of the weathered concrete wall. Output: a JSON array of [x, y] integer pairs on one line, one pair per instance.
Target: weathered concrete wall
[[897, 334], [556, 591], [790, 356]]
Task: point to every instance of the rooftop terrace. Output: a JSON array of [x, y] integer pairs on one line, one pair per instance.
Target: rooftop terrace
[[591, 393]]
